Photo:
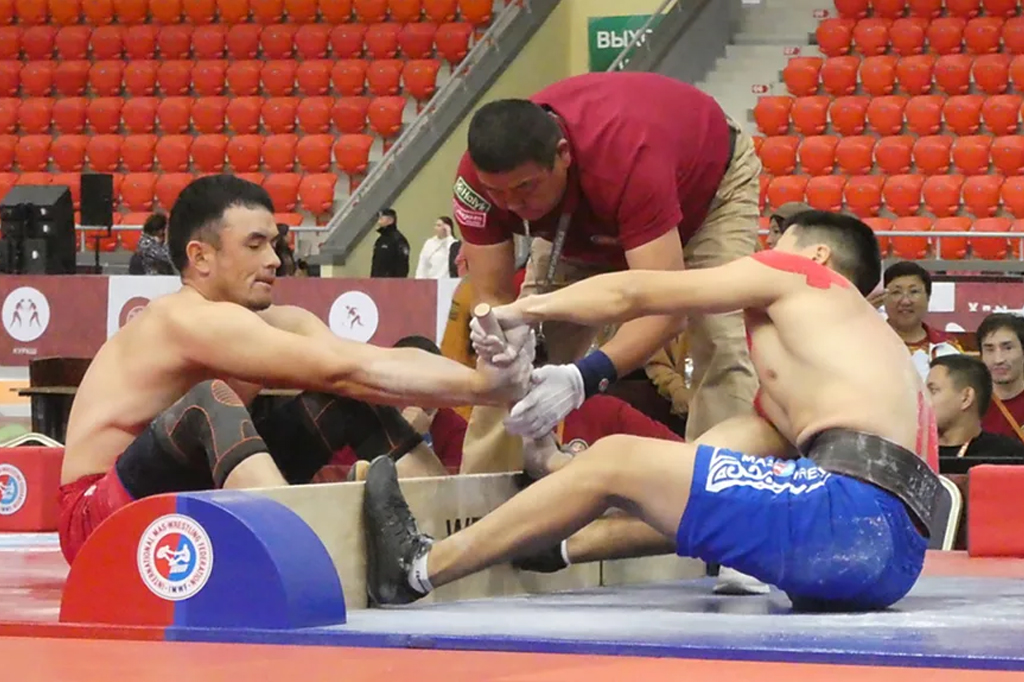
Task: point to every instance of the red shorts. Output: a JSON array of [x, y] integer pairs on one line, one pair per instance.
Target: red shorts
[[84, 504]]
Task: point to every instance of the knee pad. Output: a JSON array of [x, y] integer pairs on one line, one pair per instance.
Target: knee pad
[[210, 427]]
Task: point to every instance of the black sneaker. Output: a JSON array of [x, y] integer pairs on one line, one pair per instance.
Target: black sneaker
[[393, 541], [546, 561]]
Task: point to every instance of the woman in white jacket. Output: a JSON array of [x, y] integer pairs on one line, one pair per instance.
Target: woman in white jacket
[[434, 257]]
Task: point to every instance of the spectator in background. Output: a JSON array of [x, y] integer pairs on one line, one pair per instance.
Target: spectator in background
[[783, 213], [284, 252], [436, 254], [908, 287], [961, 390], [151, 256], [1001, 340], [391, 250], [667, 370]]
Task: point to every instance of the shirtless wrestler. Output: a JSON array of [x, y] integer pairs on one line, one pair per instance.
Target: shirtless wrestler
[[163, 406], [831, 498]]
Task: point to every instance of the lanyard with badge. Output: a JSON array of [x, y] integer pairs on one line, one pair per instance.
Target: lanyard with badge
[[557, 245]]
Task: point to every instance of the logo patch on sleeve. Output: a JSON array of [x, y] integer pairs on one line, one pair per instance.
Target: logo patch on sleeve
[[470, 197], [466, 218]]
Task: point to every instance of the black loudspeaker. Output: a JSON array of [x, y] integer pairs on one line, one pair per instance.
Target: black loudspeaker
[[38, 226], [97, 199]]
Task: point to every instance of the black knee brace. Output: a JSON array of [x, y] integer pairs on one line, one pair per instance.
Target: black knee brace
[[209, 427], [303, 434]]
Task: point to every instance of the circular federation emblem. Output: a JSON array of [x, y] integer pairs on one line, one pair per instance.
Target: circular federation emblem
[[13, 489], [354, 316], [26, 314], [175, 557], [132, 307]]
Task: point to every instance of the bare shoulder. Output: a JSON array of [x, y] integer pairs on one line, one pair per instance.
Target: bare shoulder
[[188, 316], [291, 318]]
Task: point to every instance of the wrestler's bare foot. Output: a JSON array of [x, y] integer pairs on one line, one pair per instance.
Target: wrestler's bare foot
[[256, 471], [543, 457]]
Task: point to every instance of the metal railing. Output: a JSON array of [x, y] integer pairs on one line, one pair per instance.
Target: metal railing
[[640, 36], [938, 236]]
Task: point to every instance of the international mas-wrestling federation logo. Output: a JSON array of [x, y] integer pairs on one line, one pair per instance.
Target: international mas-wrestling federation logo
[[175, 557], [13, 489]]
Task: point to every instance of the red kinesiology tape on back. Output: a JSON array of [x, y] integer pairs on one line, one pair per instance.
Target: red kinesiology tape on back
[[818, 276]]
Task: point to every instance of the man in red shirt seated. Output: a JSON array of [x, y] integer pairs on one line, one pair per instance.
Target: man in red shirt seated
[[908, 288], [1000, 338]]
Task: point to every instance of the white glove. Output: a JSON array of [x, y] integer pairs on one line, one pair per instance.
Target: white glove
[[500, 353], [555, 391]]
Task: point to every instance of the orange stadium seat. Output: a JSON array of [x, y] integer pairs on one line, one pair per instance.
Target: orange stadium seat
[[772, 115], [405, 11], [778, 154], [32, 152], [209, 42], [825, 192], [32, 12], [266, 11], [140, 77], [199, 12], [349, 76], [37, 42], [1000, 8], [871, 36], [981, 194], [278, 77], [950, 248], [71, 78], [417, 40], [174, 115], [834, 36], [902, 193], [911, 248], [932, 154], [245, 153], [243, 41], [256, 178], [69, 115], [758, 141], [349, 114], [68, 152], [440, 11], [880, 226], [946, 35], [279, 153], [313, 77], [279, 113], [382, 40], [243, 78], [952, 73], [885, 114], [384, 77], [35, 115], [65, 12], [137, 190], [786, 188], [10, 78], [104, 153], [1011, 195], [914, 74], [104, 114], [174, 77], [283, 189], [301, 11], [316, 192], [889, 9], [278, 41], [33, 178], [848, 114], [312, 41], [971, 154], [991, 73], [352, 154], [208, 114], [233, 11], [169, 186], [810, 114], [8, 143], [313, 152], [452, 42], [990, 248], [9, 114], [941, 194], [1007, 154], [370, 11], [129, 239], [924, 114], [1001, 113], [982, 35], [893, 154], [209, 77], [314, 115], [10, 42], [335, 11], [243, 115], [106, 78], [878, 74], [140, 41], [476, 12], [137, 153], [963, 8], [863, 195], [907, 35], [107, 42], [1013, 35], [347, 41], [838, 76], [1017, 72], [175, 41], [167, 12], [817, 154], [962, 113], [419, 78], [37, 78], [209, 153]]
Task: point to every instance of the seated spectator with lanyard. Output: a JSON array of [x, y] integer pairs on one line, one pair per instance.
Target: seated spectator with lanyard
[[1001, 341], [908, 287]]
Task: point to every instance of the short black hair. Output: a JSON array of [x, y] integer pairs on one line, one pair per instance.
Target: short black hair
[[201, 206], [907, 268], [155, 224], [997, 321], [507, 133], [855, 252], [417, 341], [967, 371]]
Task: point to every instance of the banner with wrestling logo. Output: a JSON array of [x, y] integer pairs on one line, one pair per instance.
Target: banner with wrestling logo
[[129, 294], [961, 306]]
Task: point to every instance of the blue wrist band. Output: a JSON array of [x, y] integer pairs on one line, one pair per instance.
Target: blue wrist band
[[598, 372]]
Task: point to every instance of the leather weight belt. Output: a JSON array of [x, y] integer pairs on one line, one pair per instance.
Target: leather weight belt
[[881, 463]]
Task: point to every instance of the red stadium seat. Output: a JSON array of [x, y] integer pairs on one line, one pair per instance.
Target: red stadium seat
[[990, 248], [382, 40], [140, 77], [106, 78], [313, 153], [1017, 72], [37, 78], [810, 114], [863, 195], [924, 114], [243, 115], [963, 113], [778, 154], [871, 36], [1007, 153], [173, 153], [1011, 194], [140, 41], [1013, 35], [72, 42], [69, 115], [104, 153], [981, 194], [885, 114], [245, 153], [32, 12], [65, 12], [104, 114], [199, 12], [278, 41], [9, 114], [893, 154], [370, 11], [385, 116], [169, 186], [835, 36], [266, 11], [452, 42], [847, 114], [38, 42], [279, 113], [243, 41], [787, 188], [838, 76], [889, 9], [907, 36], [10, 78], [971, 154], [316, 192], [476, 12], [137, 153], [279, 153], [68, 152], [950, 248], [855, 155], [440, 11], [932, 154], [71, 78], [209, 42], [283, 189], [313, 77], [312, 41], [174, 77], [301, 11], [174, 115], [137, 191], [243, 78], [352, 153], [166, 12], [902, 194], [349, 114], [416, 40], [911, 248], [107, 42], [278, 77], [1001, 114], [914, 74], [209, 153], [335, 11], [880, 226], [347, 41], [175, 41], [946, 35], [35, 115], [8, 143], [208, 114], [209, 76], [963, 8], [1000, 8], [982, 35], [384, 76], [349, 76], [952, 73], [405, 11], [991, 73], [941, 194], [878, 75], [825, 192], [817, 154], [419, 77], [314, 115]]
